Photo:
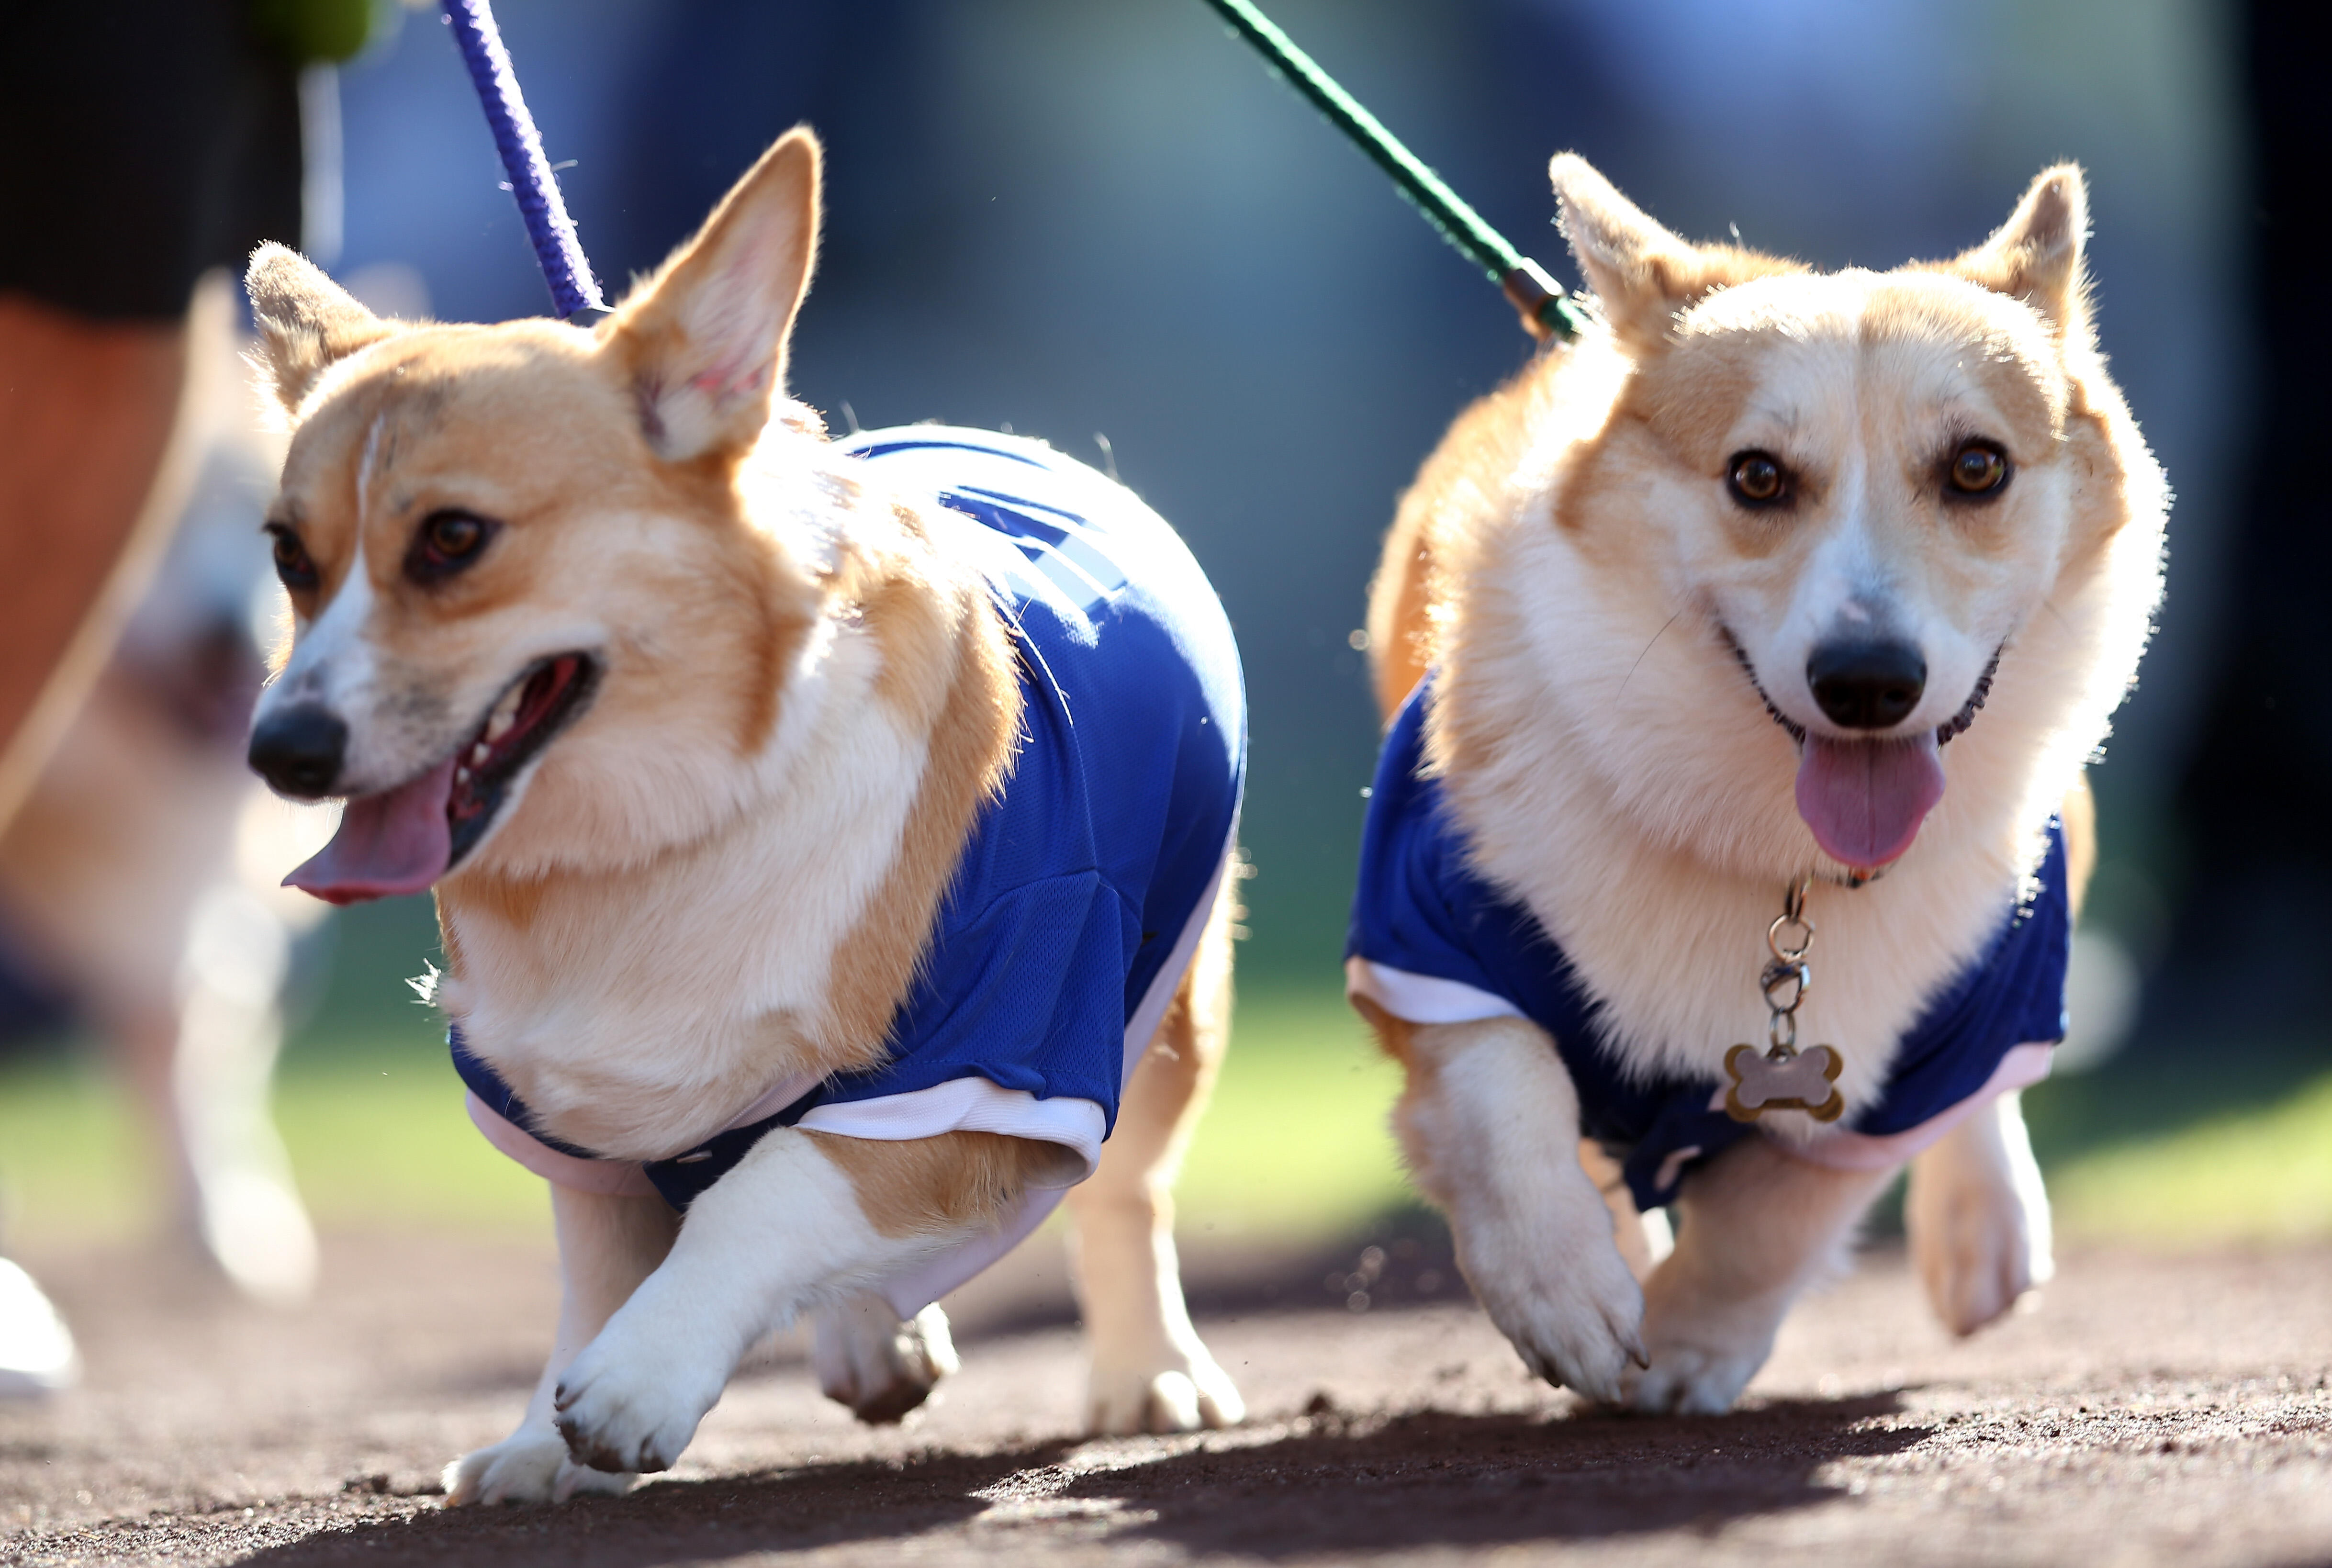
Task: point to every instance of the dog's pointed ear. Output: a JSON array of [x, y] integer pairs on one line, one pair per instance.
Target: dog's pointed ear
[[305, 320], [704, 339], [1641, 274], [2037, 256]]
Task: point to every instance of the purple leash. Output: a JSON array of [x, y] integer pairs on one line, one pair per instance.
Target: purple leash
[[573, 290]]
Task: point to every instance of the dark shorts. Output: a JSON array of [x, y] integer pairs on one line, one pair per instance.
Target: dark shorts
[[147, 141]]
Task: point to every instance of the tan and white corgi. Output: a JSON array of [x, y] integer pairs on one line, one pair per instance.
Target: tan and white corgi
[[1773, 581], [838, 820]]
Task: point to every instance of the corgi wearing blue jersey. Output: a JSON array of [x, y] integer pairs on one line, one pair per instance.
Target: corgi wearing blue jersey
[[1085, 879], [1739, 662], [831, 839]]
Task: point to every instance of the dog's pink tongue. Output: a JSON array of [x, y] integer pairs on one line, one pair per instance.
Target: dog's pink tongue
[[396, 841], [1865, 800]]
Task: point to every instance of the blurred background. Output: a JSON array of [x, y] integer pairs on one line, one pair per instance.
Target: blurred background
[[1106, 226]]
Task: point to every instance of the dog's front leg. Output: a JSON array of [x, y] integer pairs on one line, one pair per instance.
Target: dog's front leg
[[1490, 1121], [805, 1219], [1759, 1225], [1978, 1216], [607, 1245]]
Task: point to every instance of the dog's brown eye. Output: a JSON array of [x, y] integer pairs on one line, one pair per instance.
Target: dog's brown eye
[[448, 542], [455, 534], [1757, 479], [1978, 468], [293, 568]]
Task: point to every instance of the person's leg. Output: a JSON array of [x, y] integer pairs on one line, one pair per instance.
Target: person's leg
[[180, 150], [86, 413]]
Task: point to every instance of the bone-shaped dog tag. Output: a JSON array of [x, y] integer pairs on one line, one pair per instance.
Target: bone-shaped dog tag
[[1804, 1082]]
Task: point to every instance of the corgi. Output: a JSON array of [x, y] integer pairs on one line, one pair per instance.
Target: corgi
[[1763, 632], [825, 835]]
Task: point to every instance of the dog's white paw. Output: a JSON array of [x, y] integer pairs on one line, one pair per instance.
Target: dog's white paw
[[1687, 1380], [529, 1466], [1178, 1390], [624, 1405], [1972, 1243], [575, 1480], [880, 1367], [1573, 1313], [1702, 1349], [1978, 1218]]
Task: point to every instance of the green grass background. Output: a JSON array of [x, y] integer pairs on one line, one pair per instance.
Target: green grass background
[[1296, 1145]]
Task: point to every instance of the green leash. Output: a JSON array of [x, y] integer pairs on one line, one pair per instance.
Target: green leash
[[1545, 309]]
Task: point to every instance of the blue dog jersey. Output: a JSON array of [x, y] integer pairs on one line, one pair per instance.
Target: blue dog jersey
[[1422, 909], [1082, 891]]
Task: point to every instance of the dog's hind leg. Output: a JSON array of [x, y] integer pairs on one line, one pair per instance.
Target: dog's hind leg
[[881, 1367], [1978, 1218], [1759, 1226], [606, 1247], [1149, 1372]]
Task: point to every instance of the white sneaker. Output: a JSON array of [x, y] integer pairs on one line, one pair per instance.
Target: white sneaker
[[36, 1350]]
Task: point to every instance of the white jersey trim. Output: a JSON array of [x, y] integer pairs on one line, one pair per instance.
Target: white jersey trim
[[1423, 999], [974, 1106]]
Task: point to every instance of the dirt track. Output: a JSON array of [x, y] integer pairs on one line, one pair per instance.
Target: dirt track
[[2153, 1410]]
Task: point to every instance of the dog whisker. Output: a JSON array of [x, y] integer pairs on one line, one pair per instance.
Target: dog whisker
[[1646, 654]]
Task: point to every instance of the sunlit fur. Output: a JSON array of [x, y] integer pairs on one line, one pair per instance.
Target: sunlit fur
[[720, 877], [1572, 561]]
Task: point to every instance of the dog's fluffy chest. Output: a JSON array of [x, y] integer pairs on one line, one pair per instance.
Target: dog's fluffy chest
[[1675, 961], [637, 1011], [1666, 951]]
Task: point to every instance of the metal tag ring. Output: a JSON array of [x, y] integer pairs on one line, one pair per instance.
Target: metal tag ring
[[1790, 955]]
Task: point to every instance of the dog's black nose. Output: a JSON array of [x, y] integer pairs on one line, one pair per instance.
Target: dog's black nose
[[299, 749], [1867, 685]]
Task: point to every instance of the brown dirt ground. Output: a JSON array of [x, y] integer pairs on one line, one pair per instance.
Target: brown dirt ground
[[2150, 1410]]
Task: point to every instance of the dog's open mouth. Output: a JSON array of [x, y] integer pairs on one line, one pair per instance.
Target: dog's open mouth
[[1866, 799], [403, 839]]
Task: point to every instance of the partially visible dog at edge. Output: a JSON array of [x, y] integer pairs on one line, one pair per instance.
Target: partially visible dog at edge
[[1774, 585], [820, 830]]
